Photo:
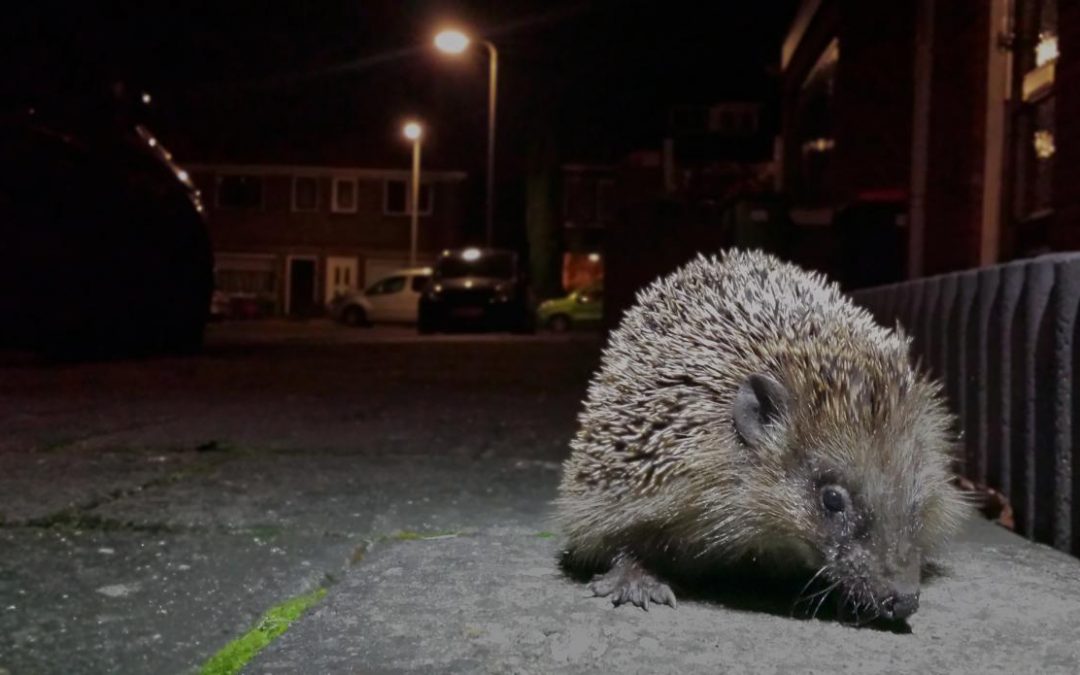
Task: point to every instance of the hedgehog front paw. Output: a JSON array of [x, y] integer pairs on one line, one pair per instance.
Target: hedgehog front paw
[[628, 581]]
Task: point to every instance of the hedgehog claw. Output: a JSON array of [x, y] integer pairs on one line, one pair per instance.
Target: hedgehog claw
[[628, 582]]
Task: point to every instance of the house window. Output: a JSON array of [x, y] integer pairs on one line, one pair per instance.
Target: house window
[[1034, 117], [813, 167], [344, 198], [239, 192], [396, 198], [305, 193]]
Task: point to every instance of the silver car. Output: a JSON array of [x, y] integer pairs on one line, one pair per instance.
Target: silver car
[[392, 299]]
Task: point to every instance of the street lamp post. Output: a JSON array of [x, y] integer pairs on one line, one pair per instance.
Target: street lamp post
[[455, 42], [414, 132]]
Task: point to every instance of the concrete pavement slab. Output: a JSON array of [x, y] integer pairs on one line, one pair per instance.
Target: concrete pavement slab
[[86, 601], [348, 494], [156, 580], [495, 602], [39, 485]]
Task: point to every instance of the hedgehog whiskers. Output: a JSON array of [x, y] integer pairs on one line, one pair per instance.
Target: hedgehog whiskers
[[802, 597], [824, 596]]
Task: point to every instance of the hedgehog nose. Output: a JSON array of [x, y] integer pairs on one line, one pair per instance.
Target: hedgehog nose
[[900, 605]]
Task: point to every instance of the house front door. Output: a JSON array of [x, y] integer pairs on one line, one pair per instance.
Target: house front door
[[341, 276], [301, 298]]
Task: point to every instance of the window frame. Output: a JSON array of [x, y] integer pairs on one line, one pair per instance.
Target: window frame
[[1033, 88], [335, 184]]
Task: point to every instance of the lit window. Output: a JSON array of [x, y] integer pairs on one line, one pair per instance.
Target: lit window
[[1044, 144], [819, 145], [1046, 50]]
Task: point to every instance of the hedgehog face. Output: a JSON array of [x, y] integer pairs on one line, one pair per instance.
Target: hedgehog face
[[871, 561], [843, 496]]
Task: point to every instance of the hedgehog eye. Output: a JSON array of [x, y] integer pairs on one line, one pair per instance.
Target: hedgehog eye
[[834, 498]]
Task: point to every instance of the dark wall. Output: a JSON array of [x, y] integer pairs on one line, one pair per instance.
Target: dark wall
[[957, 136], [874, 97], [873, 100]]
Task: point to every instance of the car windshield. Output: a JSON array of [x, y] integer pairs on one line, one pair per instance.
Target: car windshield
[[497, 265]]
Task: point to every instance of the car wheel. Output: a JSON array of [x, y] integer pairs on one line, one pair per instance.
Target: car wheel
[[354, 316], [560, 323]]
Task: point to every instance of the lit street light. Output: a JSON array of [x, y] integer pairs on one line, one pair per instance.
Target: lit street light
[[414, 132], [453, 41]]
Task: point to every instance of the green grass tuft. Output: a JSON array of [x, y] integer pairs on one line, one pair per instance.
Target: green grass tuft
[[546, 535], [237, 653]]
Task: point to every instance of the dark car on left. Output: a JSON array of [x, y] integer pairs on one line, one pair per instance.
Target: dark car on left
[[107, 251]]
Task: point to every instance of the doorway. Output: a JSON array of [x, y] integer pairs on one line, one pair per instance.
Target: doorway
[[301, 284], [340, 276]]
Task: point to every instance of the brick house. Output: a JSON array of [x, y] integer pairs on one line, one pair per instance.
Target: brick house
[[588, 209], [288, 238], [963, 115]]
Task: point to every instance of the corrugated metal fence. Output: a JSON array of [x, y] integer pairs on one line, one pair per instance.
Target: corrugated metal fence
[[1005, 340]]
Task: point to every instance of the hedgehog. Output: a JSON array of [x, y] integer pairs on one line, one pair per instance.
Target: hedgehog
[[746, 410]]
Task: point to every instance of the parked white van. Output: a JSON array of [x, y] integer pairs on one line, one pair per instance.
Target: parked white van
[[392, 299]]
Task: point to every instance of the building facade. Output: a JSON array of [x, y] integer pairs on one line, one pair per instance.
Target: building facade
[[687, 194], [959, 116], [287, 239], [588, 210]]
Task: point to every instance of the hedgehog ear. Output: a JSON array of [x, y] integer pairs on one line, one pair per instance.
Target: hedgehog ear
[[759, 402]]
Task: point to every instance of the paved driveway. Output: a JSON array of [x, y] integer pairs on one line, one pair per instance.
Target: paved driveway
[[155, 511]]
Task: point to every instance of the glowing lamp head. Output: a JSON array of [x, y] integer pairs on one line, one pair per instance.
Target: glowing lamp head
[[470, 254], [452, 41], [413, 131]]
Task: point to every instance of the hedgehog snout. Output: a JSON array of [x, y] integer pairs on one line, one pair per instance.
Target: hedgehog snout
[[899, 604], [899, 595]]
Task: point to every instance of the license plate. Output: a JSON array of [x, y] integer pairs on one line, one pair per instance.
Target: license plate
[[468, 312]]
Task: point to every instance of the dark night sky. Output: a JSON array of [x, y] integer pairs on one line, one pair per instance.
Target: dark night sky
[[330, 81]]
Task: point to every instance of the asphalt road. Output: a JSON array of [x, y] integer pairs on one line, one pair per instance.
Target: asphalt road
[[154, 511]]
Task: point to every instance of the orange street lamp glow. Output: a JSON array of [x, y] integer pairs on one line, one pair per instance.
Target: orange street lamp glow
[[413, 131], [452, 41]]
